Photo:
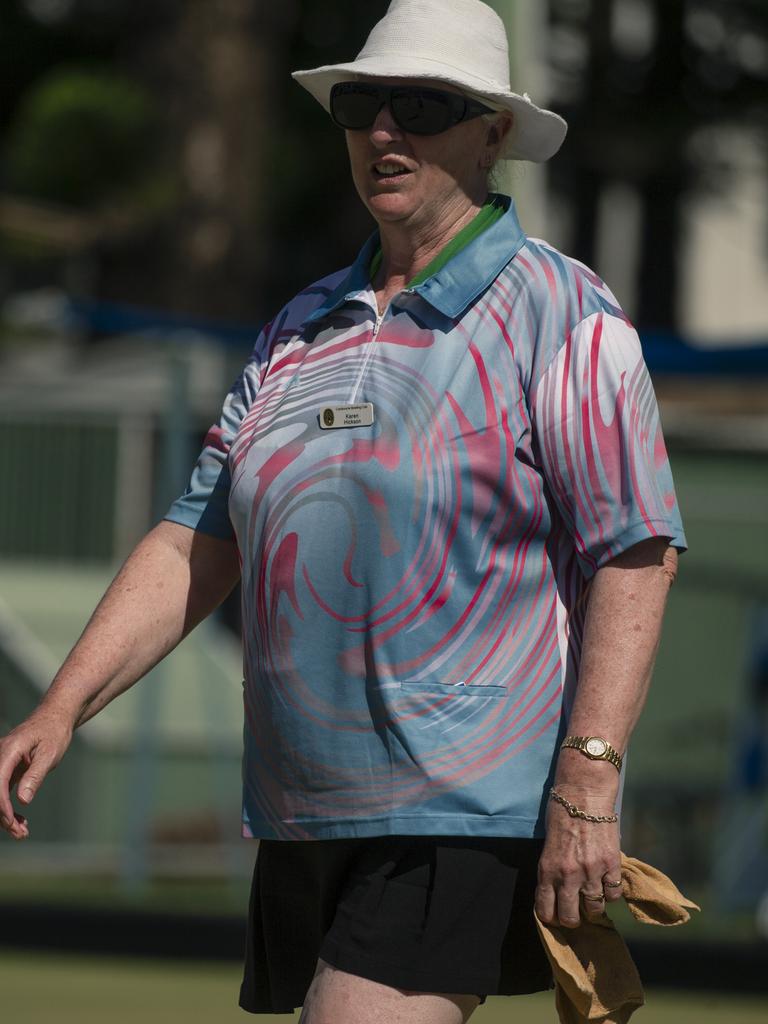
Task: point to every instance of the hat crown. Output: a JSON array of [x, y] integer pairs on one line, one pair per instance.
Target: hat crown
[[460, 42], [465, 34]]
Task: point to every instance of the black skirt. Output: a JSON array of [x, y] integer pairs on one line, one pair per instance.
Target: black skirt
[[447, 914]]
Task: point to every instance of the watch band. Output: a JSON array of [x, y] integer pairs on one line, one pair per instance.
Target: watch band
[[594, 747]]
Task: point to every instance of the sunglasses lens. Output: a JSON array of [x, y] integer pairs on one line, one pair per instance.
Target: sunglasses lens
[[354, 106], [422, 111]]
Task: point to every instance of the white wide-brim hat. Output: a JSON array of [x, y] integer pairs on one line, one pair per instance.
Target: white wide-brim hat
[[461, 42]]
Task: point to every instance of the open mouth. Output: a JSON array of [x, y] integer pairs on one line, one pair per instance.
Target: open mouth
[[387, 171]]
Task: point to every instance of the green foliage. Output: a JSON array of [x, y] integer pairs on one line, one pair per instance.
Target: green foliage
[[79, 136]]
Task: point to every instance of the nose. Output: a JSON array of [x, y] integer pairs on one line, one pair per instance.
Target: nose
[[384, 129]]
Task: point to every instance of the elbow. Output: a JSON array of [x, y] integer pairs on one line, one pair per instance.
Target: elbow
[[653, 552], [669, 564]]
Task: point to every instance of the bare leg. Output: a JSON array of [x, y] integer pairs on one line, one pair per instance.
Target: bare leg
[[336, 997]]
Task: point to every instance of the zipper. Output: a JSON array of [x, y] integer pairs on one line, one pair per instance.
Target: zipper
[[369, 353], [376, 328]]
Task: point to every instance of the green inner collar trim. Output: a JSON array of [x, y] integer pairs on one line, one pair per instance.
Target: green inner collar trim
[[492, 211]]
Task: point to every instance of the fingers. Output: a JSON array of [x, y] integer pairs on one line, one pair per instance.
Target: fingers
[[568, 909], [32, 778], [15, 824], [601, 890], [19, 829], [566, 902], [573, 888], [24, 769], [545, 902], [557, 895], [10, 762], [592, 900], [19, 770], [578, 901], [612, 884], [43, 759]]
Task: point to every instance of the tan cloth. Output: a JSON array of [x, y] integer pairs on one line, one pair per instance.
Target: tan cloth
[[595, 976]]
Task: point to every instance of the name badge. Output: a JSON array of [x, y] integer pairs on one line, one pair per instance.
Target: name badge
[[333, 416]]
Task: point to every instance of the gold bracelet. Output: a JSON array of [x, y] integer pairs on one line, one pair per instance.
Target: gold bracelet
[[576, 812]]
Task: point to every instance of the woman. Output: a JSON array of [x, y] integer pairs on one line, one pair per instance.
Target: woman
[[442, 478]]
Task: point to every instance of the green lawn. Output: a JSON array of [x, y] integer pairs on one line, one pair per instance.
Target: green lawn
[[62, 989]]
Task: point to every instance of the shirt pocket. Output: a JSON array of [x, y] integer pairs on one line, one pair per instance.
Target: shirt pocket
[[457, 690]]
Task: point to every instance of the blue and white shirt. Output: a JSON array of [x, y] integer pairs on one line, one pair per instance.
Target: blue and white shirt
[[414, 591]]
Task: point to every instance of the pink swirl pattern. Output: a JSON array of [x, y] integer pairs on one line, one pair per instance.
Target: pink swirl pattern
[[414, 591]]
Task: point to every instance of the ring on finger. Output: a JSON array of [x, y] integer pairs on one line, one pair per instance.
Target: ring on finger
[[613, 885], [592, 895]]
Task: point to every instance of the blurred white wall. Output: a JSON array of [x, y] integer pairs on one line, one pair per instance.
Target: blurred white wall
[[725, 256]]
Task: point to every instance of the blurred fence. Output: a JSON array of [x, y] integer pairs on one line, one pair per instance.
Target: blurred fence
[[85, 483], [695, 786], [65, 475]]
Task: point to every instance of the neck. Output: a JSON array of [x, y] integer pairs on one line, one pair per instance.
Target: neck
[[407, 247]]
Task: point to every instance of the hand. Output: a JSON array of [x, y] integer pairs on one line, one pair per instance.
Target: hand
[[27, 754], [578, 857]]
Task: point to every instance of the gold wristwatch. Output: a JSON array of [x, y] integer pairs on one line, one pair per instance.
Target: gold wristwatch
[[594, 747]]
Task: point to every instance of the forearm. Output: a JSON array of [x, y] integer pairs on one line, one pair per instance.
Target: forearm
[[622, 631], [168, 584], [581, 863]]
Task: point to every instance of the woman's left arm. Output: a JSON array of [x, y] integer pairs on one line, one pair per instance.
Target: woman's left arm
[[622, 631]]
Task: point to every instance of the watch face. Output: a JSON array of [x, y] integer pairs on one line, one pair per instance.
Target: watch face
[[595, 746]]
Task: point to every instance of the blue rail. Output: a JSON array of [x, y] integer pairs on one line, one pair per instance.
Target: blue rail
[[664, 351]]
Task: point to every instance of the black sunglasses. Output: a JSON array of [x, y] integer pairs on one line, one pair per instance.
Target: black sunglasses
[[422, 111]]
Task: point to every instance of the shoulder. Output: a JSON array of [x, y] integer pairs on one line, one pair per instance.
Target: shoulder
[[274, 335], [561, 296], [289, 319], [560, 286]]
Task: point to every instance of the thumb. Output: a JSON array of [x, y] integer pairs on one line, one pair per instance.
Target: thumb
[[27, 789], [32, 779]]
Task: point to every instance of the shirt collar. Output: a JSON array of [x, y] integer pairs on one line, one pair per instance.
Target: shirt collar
[[456, 285], [356, 284]]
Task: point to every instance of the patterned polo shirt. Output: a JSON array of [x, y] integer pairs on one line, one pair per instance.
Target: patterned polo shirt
[[414, 589]]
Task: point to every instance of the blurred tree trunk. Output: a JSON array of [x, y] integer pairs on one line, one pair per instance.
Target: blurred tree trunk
[[220, 60], [211, 64], [662, 193], [659, 265], [659, 173], [634, 128], [589, 175]]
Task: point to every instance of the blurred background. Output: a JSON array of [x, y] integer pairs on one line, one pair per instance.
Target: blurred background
[[164, 188]]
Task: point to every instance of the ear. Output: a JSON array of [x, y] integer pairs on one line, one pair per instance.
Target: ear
[[497, 132]]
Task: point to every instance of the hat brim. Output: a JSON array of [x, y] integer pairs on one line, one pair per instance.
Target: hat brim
[[537, 134]]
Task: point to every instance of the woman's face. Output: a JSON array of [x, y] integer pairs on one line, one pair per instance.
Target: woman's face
[[439, 172]]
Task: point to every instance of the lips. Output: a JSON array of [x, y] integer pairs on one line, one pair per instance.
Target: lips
[[389, 169]]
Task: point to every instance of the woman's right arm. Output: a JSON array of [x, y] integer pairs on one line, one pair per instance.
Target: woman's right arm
[[170, 582]]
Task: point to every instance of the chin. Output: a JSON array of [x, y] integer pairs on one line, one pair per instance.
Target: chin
[[390, 206]]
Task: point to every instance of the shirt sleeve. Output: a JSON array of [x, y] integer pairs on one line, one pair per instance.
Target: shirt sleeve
[[598, 434], [204, 505]]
